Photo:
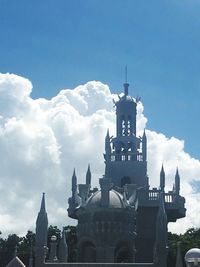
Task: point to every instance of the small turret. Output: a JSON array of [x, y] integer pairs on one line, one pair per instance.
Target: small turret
[[162, 179], [144, 146], [177, 182], [75, 200], [88, 176]]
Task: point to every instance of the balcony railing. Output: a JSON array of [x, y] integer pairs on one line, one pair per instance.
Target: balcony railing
[[170, 197]]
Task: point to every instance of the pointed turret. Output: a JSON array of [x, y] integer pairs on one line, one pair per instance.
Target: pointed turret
[[107, 155], [63, 249], [84, 189], [177, 182], [173, 188], [75, 200], [42, 225], [41, 233], [74, 183], [144, 146], [88, 176], [162, 179]]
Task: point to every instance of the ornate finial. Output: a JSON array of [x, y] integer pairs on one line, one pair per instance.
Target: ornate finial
[[126, 85], [126, 73]]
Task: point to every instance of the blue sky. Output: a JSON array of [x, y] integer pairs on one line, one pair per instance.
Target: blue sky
[[61, 44]]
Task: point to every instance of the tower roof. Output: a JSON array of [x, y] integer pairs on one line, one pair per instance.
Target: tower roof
[[15, 262], [43, 208]]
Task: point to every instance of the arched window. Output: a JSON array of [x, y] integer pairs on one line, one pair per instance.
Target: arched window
[[122, 253], [123, 127], [88, 252], [125, 180]]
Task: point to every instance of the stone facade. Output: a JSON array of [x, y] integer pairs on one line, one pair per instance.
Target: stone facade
[[124, 222]]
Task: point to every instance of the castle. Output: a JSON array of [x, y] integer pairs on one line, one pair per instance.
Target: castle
[[125, 222]]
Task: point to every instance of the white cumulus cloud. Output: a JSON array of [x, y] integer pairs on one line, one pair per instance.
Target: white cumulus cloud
[[41, 141]]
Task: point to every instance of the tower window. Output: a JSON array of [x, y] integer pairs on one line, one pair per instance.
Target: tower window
[[123, 127]]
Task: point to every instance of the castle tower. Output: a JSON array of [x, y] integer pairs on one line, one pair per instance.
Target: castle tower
[[108, 218], [125, 154]]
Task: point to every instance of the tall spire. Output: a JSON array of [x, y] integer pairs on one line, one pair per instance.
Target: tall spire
[[42, 207], [126, 85], [126, 73], [177, 182], [41, 233], [42, 224], [88, 176], [162, 179]]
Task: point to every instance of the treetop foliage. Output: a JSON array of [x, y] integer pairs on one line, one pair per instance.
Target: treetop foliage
[[25, 245]]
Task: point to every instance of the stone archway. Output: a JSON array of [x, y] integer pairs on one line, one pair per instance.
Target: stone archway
[[122, 253], [88, 252]]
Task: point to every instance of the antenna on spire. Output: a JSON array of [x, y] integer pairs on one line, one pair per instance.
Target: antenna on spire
[[126, 85], [126, 73]]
